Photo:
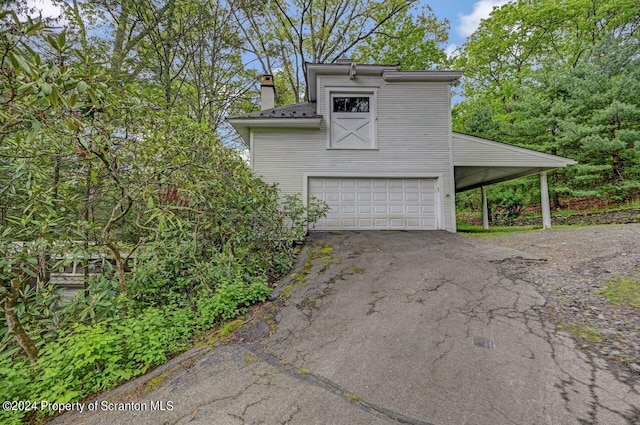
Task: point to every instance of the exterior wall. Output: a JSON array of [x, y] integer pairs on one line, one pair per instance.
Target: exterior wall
[[413, 137]]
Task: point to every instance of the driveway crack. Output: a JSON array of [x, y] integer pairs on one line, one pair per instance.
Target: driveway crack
[[333, 387]]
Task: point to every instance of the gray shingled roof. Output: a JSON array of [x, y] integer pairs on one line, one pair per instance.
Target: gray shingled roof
[[297, 110]]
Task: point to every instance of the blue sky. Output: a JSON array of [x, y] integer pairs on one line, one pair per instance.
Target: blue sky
[[464, 16]]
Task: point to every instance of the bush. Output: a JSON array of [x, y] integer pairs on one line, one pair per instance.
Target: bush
[[98, 356], [505, 203], [210, 242], [15, 378], [229, 300]]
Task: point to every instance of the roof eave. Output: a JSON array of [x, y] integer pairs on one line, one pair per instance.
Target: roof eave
[[548, 161], [244, 125], [448, 76], [314, 69], [525, 171]]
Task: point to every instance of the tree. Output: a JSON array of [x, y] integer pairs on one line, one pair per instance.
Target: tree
[[43, 104], [96, 158], [189, 51], [518, 36], [561, 78], [287, 35], [412, 40]]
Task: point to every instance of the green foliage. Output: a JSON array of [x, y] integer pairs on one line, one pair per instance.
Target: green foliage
[[99, 301], [15, 376], [229, 300], [98, 162], [589, 112], [87, 358], [300, 217], [512, 42], [414, 40], [562, 79], [506, 203], [284, 93], [286, 35]]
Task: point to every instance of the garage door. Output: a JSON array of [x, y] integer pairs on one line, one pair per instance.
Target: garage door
[[377, 203]]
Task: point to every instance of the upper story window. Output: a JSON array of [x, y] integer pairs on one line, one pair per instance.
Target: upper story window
[[351, 104], [353, 120]]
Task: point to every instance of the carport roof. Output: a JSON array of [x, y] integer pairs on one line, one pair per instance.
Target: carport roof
[[480, 162]]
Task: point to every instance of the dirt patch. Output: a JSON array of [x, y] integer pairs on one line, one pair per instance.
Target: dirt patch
[[259, 325], [581, 264]]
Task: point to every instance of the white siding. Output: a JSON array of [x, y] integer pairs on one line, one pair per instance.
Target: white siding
[[413, 136]]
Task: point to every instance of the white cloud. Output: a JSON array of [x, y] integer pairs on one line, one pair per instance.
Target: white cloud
[[46, 8], [450, 50], [481, 10]]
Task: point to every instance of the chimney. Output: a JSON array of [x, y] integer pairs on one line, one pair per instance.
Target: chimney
[[267, 92]]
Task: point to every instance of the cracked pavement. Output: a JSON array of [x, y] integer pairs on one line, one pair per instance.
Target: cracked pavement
[[384, 328]]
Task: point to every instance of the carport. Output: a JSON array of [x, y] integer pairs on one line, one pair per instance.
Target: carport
[[480, 162]]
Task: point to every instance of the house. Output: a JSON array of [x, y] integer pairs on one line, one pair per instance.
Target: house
[[376, 144]]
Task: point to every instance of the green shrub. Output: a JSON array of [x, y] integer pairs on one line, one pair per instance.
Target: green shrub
[[79, 363], [95, 357], [229, 300], [100, 300], [211, 242], [15, 378]]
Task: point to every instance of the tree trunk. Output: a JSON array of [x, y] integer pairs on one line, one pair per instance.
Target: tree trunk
[[120, 266], [13, 323], [557, 204], [556, 201], [44, 269], [617, 166], [87, 207]]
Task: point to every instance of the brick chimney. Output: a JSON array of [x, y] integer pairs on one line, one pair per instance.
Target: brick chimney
[[267, 92]]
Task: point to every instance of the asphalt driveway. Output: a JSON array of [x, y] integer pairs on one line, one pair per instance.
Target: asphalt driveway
[[383, 328]]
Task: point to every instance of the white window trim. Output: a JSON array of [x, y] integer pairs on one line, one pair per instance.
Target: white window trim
[[373, 111]]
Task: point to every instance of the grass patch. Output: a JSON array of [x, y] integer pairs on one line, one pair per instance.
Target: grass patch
[[581, 331], [303, 371], [285, 291], [221, 332], [153, 383], [301, 278], [325, 253], [623, 291], [249, 358], [229, 327], [353, 397], [495, 231], [479, 231], [356, 269]]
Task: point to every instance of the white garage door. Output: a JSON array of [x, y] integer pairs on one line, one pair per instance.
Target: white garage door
[[377, 203]]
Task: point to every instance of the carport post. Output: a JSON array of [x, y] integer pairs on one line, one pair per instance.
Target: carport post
[[544, 198], [485, 208]]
